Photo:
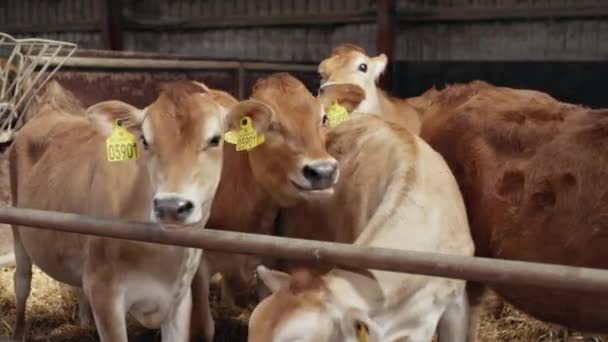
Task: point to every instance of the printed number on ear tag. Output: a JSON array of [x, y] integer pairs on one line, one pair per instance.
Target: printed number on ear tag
[[362, 333], [246, 138], [121, 144], [336, 114]]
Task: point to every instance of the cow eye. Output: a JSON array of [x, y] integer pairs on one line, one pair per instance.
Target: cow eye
[[363, 67], [324, 120], [215, 140], [144, 142]]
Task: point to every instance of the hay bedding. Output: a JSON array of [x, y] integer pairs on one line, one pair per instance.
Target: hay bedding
[[53, 316]]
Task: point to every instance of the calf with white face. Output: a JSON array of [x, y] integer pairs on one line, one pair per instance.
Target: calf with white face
[[349, 63]]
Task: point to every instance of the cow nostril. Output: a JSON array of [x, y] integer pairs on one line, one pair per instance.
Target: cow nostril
[[310, 173], [185, 208]]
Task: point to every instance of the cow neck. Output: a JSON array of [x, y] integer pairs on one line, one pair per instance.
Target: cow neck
[[372, 102], [240, 203]]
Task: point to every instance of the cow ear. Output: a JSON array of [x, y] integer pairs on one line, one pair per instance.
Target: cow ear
[[104, 114], [356, 325], [346, 94], [378, 65], [274, 280], [261, 115], [223, 98]]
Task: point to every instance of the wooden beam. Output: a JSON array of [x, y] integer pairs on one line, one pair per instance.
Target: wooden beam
[[385, 40], [111, 24], [137, 23], [501, 14]]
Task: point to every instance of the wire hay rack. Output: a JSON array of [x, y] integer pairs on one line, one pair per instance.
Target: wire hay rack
[[26, 65]]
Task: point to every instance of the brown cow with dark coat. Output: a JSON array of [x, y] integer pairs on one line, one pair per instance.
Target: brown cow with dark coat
[[532, 171]]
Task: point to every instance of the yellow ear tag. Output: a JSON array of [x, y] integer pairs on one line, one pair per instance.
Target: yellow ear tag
[[362, 333], [121, 144], [246, 138], [336, 114]]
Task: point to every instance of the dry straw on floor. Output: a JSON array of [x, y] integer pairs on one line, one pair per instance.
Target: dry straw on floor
[[53, 316]]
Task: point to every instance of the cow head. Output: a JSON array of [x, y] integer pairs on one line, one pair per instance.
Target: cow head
[[292, 163], [303, 307], [180, 139], [349, 64]]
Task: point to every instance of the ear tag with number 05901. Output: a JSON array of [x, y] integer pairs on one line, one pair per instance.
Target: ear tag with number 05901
[[247, 138], [121, 144]]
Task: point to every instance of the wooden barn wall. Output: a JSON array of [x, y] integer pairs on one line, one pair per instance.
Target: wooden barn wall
[[566, 57], [79, 21], [74, 18], [283, 43]]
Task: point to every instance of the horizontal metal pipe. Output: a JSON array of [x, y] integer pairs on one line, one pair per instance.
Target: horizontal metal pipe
[[153, 63], [490, 271]]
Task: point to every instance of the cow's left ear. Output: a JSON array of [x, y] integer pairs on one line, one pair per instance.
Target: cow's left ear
[[105, 114], [356, 325], [347, 95], [223, 98], [274, 280], [378, 65], [261, 116]]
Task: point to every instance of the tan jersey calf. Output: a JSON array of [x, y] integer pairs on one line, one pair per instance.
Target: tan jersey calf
[[349, 64], [59, 162], [395, 192], [290, 166]]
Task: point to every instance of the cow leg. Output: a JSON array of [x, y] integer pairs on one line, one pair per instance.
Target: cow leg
[[454, 322], [22, 281], [108, 310], [201, 322], [476, 293], [85, 316], [175, 329]]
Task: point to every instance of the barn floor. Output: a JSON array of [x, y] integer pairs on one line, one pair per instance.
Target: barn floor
[[53, 316]]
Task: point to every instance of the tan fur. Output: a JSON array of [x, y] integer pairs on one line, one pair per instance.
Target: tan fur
[[255, 184], [342, 67], [58, 162], [396, 192], [532, 172]]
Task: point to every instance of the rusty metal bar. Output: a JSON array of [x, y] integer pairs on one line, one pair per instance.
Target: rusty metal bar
[[153, 63], [490, 271]]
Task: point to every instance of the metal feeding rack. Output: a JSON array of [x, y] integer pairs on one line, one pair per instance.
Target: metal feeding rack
[[25, 67]]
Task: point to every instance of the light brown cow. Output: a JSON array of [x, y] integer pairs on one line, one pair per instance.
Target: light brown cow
[[291, 165], [532, 172], [349, 64], [395, 192], [58, 162]]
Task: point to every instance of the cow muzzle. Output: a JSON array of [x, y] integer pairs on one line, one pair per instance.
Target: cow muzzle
[[318, 175], [172, 209]]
